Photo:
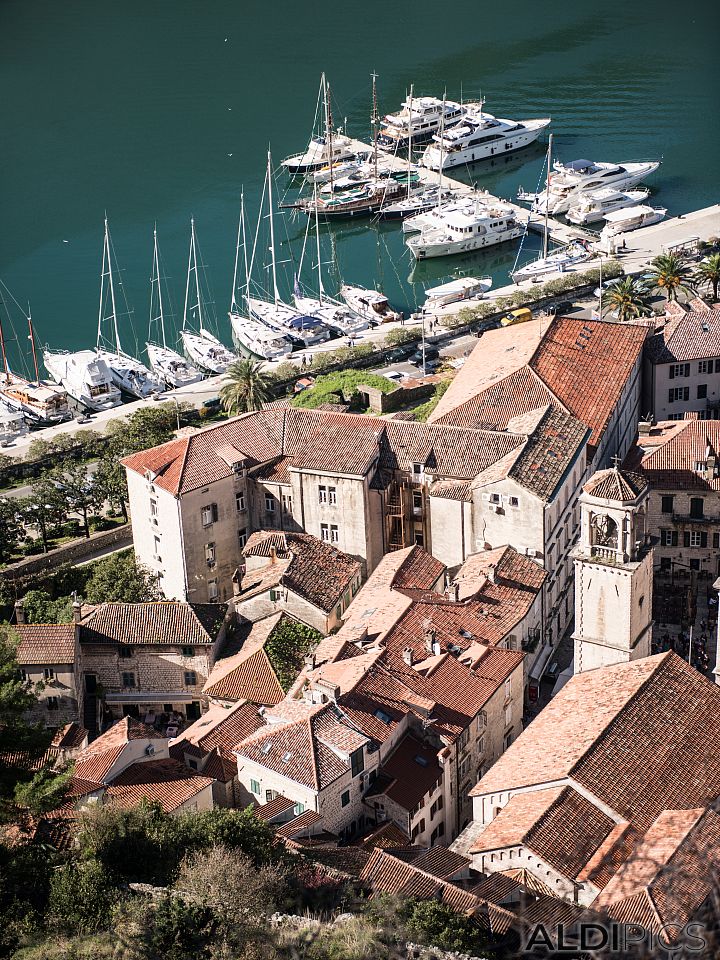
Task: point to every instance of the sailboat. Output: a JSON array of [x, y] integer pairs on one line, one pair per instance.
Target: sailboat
[[329, 146], [249, 333], [167, 364], [41, 403], [128, 374], [201, 346], [275, 313]]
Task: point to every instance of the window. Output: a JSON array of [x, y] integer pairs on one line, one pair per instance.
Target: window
[[716, 541], [156, 547], [53, 703], [193, 764], [240, 500], [679, 370], [269, 503], [438, 805], [298, 809], [332, 495], [665, 563], [153, 508], [494, 498], [417, 469], [190, 678], [49, 673], [357, 761], [209, 514], [322, 495], [705, 366], [481, 745], [242, 537], [419, 828], [212, 589], [697, 539], [287, 503], [325, 532], [667, 504], [345, 798], [463, 739], [269, 795], [508, 715], [514, 502], [668, 538], [439, 831], [697, 508], [694, 564], [210, 554], [188, 651], [678, 393], [508, 741], [717, 366], [417, 500], [124, 651], [702, 391], [419, 538], [128, 679], [334, 533], [255, 787]]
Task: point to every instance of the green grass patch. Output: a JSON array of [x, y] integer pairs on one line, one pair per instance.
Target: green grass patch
[[339, 387], [422, 412]]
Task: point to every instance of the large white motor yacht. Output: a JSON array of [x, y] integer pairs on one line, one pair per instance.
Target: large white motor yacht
[[418, 119], [570, 180], [85, 377], [129, 375], [462, 231], [560, 261], [462, 288], [591, 207], [478, 136], [371, 305], [622, 221], [42, 403], [320, 151]]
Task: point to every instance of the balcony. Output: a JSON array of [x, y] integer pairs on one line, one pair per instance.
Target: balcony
[[689, 518]]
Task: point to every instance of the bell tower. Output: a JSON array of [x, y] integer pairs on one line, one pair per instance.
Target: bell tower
[[613, 571]]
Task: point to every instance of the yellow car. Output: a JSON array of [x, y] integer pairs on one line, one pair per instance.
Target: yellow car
[[516, 316]]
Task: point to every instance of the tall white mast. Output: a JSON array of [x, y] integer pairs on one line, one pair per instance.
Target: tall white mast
[[155, 278], [193, 247], [240, 233], [375, 121], [187, 281], [442, 152], [547, 196], [410, 140], [272, 228], [107, 272], [317, 241]]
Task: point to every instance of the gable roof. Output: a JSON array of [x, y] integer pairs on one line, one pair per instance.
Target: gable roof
[[220, 727], [96, 760], [45, 643], [408, 773], [634, 735], [165, 781], [248, 674], [687, 336], [667, 458], [315, 570], [582, 364], [163, 622]]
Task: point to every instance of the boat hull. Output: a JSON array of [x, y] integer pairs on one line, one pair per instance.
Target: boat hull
[[448, 248], [434, 157], [170, 367], [206, 352]]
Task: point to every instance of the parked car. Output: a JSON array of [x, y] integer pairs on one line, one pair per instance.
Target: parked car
[[563, 307], [431, 353], [398, 354], [516, 316]]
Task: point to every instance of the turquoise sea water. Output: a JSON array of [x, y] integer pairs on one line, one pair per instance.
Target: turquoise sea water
[[156, 111]]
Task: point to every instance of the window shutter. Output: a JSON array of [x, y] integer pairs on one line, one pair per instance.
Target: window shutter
[[687, 369], [672, 371], [686, 538], [674, 538], [214, 509], [703, 539]]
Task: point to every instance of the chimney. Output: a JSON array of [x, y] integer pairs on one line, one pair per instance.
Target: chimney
[[456, 592], [710, 465], [19, 612], [429, 637], [436, 648], [77, 608], [644, 427], [309, 661], [273, 553], [491, 573], [237, 578], [408, 656]]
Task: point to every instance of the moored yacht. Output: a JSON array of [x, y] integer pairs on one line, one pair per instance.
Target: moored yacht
[[462, 288], [622, 221], [329, 147], [85, 377], [569, 180], [168, 365], [12, 425], [462, 231], [565, 259], [418, 202], [480, 135], [591, 207], [417, 120], [371, 305], [202, 347]]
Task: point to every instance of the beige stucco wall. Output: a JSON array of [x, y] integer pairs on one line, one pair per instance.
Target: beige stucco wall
[[451, 539], [166, 526], [62, 687], [659, 377]]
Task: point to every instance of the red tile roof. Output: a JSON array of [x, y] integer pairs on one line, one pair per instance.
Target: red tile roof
[[248, 674], [408, 773], [274, 808], [442, 863], [166, 781], [667, 458], [45, 643], [300, 825], [70, 737], [615, 484], [634, 735], [689, 336], [166, 622], [95, 761], [316, 571], [387, 836], [221, 727]]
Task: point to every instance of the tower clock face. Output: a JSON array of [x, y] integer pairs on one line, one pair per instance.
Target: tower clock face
[[604, 529]]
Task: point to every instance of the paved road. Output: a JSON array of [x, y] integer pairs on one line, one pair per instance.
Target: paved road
[[16, 493]]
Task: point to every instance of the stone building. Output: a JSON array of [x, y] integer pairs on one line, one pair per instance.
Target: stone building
[[682, 364], [47, 657], [613, 572], [147, 659], [679, 460], [296, 574], [600, 767]]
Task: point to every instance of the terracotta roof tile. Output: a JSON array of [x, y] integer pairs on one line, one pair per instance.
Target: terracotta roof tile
[[442, 863], [45, 643], [95, 761], [668, 461], [220, 726], [274, 808], [299, 825], [615, 484], [248, 674], [166, 781], [691, 336], [408, 773], [166, 622], [387, 836]]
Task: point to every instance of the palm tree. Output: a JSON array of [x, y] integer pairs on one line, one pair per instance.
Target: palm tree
[[627, 299], [248, 387], [708, 273], [671, 274]]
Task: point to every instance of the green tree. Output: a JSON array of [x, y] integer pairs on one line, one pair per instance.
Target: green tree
[[671, 274], [247, 389], [77, 491], [627, 299], [286, 648], [111, 484], [443, 927], [43, 509], [121, 578], [22, 743], [40, 607], [145, 428], [708, 274], [11, 528], [82, 898]]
